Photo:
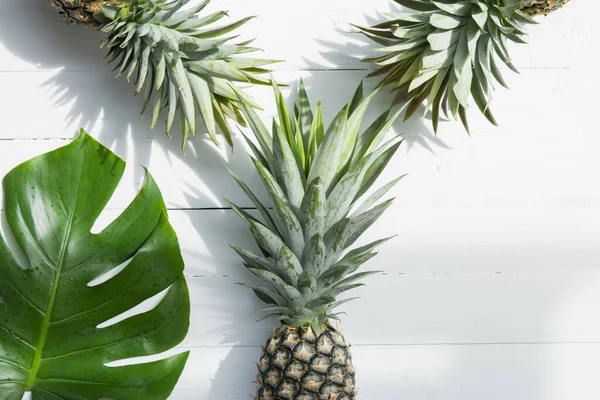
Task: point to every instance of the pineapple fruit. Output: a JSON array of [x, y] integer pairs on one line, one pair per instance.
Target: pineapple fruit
[[447, 52], [318, 181], [541, 7], [177, 56]]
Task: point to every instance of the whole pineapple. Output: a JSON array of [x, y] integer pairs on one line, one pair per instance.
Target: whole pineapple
[[317, 181], [447, 52], [182, 61]]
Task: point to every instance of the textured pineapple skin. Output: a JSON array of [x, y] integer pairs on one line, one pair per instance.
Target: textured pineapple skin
[[543, 7], [82, 12], [300, 365]]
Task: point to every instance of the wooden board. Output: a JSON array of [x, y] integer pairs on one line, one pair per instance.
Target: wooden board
[[492, 286]]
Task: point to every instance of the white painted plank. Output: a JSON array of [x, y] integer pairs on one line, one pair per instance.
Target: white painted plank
[[430, 239], [482, 171], [434, 239], [490, 372], [417, 309], [531, 160], [543, 103], [313, 34]]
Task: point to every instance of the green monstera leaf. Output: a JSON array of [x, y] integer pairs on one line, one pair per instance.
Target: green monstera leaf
[[59, 324]]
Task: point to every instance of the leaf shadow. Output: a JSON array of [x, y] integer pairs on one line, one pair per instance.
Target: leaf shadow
[[81, 83]]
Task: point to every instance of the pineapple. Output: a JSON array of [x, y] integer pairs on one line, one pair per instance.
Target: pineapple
[[318, 182], [178, 57], [543, 7], [447, 52]]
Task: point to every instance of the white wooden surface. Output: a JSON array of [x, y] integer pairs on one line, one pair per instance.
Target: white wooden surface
[[492, 288]]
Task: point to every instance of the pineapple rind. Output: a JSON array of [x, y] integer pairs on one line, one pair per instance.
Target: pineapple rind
[[542, 7], [83, 12], [446, 54], [298, 365]]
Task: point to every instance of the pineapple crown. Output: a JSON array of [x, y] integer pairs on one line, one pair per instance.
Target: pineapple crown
[[184, 62], [317, 181], [446, 52]]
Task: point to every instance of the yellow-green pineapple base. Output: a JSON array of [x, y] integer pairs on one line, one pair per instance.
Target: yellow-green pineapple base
[[81, 12], [543, 7], [298, 364]]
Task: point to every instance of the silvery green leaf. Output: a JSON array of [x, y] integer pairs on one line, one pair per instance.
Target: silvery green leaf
[[261, 133], [372, 137], [203, 97], [289, 292], [482, 103], [372, 199], [335, 238], [341, 289], [356, 277], [350, 135], [284, 114], [411, 33], [343, 194], [288, 265], [265, 238], [195, 23], [443, 21], [217, 68], [305, 114], [255, 261], [404, 46], [421, 79], [437, 59], [283, 216], [174, 18], [313, 209], [362, 222], [287, 172], [222, 30], [314, 255], [264, 212], [442, 39], [308, 286], [480, 16], [422, 17], [417, 5], [459, 8], [267, 295], [326, 162], [496, 72], [172, 101], [288, 224], [463, 70], [375, 169]]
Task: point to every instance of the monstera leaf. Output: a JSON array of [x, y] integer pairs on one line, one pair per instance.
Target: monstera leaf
[[61, 314]]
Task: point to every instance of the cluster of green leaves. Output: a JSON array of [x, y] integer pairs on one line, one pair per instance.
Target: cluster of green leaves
[[445, 52], [185, 63], [56, 333], [315, 179]]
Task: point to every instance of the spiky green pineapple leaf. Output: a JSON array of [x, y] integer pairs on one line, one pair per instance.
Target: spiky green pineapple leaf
[[184, 59], [307, 236], [442, 54]]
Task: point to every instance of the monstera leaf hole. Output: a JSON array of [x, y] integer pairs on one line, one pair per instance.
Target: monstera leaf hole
[[133, 179], [88, 315], [109, 275], [144, 306]]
